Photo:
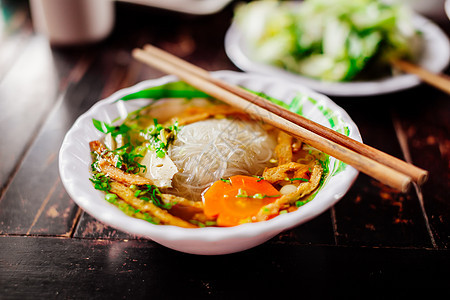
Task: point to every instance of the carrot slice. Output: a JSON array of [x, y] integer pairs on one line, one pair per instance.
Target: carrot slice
[[238, 199]]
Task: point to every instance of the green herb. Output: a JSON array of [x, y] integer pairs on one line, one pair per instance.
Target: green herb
[[301, 202], [198, 223], [94, 165], [226, 180], [326, 170], [111, 198], [130, 210], [243, 194], [259, 196], [259, 178], [127, 156], [151, 193], [100, 181], [206, 224], [296, 178], [148, 218], [271, 196], [160, 137], [104, 127]]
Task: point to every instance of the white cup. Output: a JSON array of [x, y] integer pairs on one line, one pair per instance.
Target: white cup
[[73, 22]]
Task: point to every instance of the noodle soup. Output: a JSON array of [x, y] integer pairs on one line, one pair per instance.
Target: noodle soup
[[198, 163]]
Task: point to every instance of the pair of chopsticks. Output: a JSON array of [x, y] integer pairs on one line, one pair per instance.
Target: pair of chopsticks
[[381, 166]]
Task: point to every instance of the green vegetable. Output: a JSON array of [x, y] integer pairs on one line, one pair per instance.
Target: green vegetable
[[177, 89], [108, 128], [151, 193], [331, 40], [160, 137], [100, 181], [243, 194], [296, 178], [127, 158], [112, 198]]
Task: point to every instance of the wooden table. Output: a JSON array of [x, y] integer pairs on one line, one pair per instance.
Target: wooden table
[[374, 243]]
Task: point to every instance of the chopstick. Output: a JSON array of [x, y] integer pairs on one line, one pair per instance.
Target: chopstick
[[417, 175], [440, 81], [201, 79]]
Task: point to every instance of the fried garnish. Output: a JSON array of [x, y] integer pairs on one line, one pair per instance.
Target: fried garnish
[[192, 210], [127, 195], [172, 199], [283, 150], [97, 146], [195, 114], [272, 209], [100, 149], [288, 170], [202, 218], [123, 177]]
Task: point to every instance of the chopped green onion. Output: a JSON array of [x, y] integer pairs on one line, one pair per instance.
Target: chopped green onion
[[111, 198]]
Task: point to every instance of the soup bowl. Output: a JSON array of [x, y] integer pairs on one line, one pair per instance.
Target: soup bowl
[[75, 168]]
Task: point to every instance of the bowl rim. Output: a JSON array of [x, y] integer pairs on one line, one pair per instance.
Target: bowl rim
[[209, 234]]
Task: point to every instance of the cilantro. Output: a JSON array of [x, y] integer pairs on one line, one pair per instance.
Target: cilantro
[[151, 193], [127, 156], [100, 181]]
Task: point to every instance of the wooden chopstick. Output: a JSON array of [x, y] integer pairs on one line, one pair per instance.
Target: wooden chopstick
[[418, 175], [440, 81], [383, 173]]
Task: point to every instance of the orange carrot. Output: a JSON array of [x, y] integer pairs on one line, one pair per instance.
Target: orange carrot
[[237, 200]]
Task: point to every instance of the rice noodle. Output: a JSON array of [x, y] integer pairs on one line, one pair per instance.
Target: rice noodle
[[209, 150]]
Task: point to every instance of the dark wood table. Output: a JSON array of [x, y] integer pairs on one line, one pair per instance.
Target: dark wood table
[[375, 243]]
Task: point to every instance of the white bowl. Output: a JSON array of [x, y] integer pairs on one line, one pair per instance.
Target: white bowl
[[435, 57], [194, 7], [75, 160]]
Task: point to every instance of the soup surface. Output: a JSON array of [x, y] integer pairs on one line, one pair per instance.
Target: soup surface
[[199, 162]]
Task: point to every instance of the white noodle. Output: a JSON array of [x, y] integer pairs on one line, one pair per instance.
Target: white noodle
[[209, 150]]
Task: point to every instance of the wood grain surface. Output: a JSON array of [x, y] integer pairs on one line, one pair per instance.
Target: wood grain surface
[[373, 241]]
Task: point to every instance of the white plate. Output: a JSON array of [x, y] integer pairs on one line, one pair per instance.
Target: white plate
[[194, 7], [75, 161], [435, 58]]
